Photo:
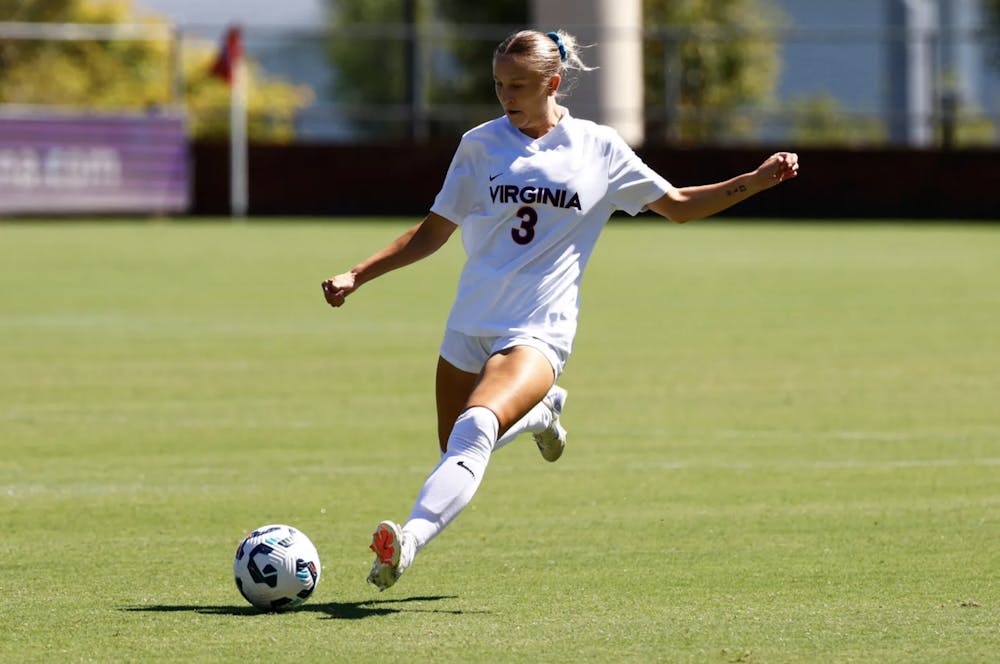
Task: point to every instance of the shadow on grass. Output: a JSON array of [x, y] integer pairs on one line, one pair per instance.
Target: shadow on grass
[[333, 610]]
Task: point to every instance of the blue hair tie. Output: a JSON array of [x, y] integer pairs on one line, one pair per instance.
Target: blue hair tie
[[554, 36]]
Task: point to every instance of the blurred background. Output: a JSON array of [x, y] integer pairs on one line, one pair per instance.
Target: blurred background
[[355, 106]]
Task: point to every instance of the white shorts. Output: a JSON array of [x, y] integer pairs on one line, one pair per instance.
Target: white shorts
[[470, 353]]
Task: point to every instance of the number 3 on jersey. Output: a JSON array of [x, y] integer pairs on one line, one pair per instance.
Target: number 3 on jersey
[[525, 233]]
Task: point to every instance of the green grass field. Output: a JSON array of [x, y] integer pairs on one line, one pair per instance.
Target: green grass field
[[784, 447]]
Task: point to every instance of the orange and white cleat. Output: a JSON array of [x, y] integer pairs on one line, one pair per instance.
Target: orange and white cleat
[[392, 556]]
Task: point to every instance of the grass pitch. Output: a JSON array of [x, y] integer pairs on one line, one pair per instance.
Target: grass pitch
[[784, 447]]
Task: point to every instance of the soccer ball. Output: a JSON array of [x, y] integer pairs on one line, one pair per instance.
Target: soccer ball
[[276, 567]]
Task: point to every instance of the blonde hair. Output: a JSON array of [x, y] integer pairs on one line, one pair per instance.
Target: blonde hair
[[549, 54]]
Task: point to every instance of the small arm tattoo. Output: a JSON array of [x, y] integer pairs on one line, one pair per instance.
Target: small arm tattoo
[[737, 189]]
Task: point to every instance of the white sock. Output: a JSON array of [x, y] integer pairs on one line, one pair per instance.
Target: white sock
[[451, 485], [536, 420]]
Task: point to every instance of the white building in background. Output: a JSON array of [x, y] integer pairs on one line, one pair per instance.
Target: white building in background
[[897, 59], [910, 88]]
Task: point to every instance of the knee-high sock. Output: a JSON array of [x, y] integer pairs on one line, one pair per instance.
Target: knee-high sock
[[536, 420], [451, 485]]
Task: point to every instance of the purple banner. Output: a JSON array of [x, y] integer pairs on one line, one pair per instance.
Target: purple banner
[[52, 163]]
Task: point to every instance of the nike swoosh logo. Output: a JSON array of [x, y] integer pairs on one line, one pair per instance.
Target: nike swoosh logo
[[462, 464], [494, 177]]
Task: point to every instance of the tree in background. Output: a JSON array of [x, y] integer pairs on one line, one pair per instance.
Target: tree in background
[[719, 55], [473, 84], [272, 104], [123, 75], [85, 74], [711, 65], [368, 50], [371, 52], [820, 120]]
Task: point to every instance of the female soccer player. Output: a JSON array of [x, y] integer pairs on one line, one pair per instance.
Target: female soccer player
[[532, 191]]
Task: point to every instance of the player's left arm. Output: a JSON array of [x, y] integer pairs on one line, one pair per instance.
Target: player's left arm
[[688, 203]]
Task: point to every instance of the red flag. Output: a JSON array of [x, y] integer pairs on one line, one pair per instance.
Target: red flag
[[229, 55]]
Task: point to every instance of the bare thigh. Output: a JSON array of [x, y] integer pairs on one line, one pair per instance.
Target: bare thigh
[[453, 387], [510, 384]]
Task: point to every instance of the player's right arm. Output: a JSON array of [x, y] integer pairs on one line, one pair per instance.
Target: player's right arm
[[418, 242]]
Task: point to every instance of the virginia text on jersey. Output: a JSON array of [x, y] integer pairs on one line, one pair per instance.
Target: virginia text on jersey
[[508, 193]]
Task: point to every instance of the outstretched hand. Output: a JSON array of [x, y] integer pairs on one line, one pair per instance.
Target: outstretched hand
[[777, 168], [336, 289]]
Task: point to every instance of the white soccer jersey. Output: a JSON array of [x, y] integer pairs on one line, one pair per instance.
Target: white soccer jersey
[[531, 211]]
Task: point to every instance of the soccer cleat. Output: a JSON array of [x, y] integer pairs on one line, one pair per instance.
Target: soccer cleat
[[552, 441], [390, 558]]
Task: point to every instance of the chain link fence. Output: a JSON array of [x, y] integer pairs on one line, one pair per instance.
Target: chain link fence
[[828, 87], [834, 87]]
